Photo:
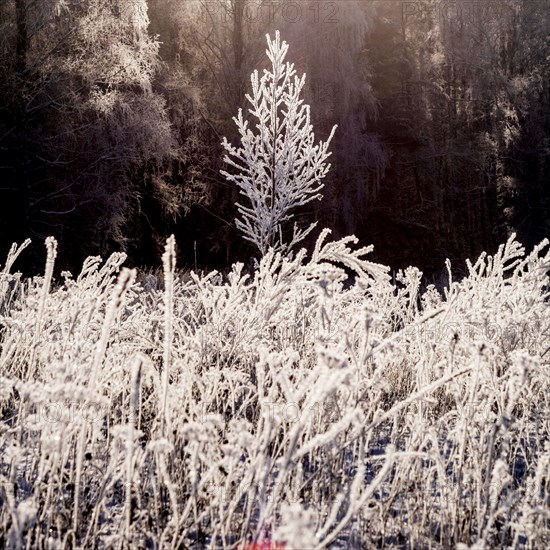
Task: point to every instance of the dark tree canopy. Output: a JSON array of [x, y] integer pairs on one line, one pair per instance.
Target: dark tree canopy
[[112, 112]]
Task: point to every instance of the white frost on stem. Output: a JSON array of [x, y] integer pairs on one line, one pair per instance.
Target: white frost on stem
[[278, 167]]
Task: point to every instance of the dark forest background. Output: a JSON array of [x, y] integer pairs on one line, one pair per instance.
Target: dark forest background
[[112, 113]]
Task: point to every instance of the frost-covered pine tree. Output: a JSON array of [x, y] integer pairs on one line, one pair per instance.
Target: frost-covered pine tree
[[279, 167]]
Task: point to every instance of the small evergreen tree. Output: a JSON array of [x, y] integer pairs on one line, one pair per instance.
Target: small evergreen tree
[[279, 166]]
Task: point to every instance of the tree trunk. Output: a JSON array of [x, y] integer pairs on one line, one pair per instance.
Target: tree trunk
[[20, 117]]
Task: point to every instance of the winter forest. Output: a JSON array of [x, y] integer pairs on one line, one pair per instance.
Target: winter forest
[[274, 274], [112, 114]]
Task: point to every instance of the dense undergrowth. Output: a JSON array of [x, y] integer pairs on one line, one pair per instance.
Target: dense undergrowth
[[210, 411]]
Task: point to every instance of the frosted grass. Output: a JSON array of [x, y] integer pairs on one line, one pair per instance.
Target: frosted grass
[[281, 405]]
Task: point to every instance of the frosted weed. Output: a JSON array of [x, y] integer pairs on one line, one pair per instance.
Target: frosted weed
[[186, 416]]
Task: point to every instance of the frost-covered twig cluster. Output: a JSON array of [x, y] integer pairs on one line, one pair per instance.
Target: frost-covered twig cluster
[[279, 166], [284, 404]]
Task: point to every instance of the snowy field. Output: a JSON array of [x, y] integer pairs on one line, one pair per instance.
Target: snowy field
[[281, 408]]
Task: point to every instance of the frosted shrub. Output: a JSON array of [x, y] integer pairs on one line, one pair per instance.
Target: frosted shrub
[[279, 167], [281, 405]]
